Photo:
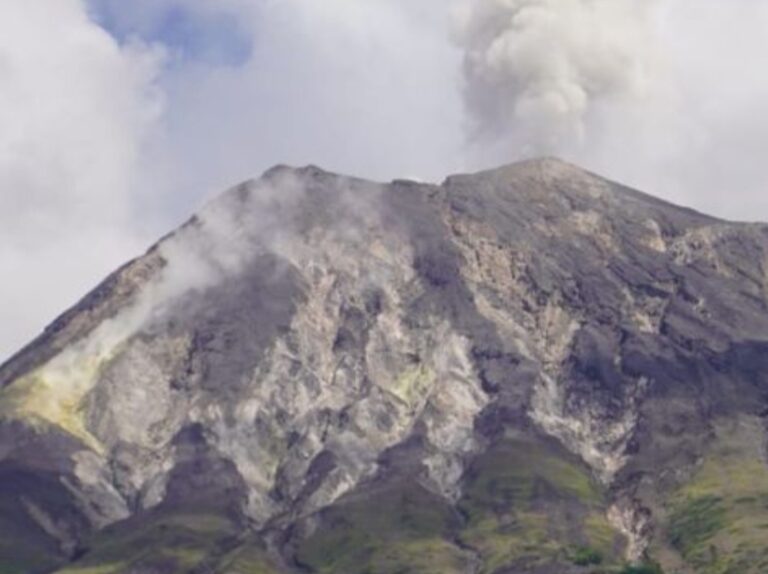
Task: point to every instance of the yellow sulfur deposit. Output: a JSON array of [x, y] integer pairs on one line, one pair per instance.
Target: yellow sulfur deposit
[[53, 395], [413, 386]]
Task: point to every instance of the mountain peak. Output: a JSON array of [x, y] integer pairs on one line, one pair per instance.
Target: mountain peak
[[544, 167], [529, 369]]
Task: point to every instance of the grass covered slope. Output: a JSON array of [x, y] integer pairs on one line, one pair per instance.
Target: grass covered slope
[[718, 519], [173, 540], [397, 527], [527, 505], [25, 546]]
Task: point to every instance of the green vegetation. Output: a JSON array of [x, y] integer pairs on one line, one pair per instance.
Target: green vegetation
[[171, 540], [526, 502], [103, 569], [529, 502], [250, 558], [174, 543], [586, 556], [400, 528], [24, 547], [718, 521], [696, 521], [648, 568], [19, 556]]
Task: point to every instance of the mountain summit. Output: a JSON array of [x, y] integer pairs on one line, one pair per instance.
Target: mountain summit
[[529, 370]]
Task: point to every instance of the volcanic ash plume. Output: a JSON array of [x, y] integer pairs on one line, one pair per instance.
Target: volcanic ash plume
[[541, 69]]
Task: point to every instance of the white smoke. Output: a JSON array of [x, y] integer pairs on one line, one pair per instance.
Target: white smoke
[[668, 96], [541, 69], [278, 215], [76, 112], [105, 143], [228, 233]]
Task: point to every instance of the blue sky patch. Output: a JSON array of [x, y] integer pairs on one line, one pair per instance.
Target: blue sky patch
[[189, 32]]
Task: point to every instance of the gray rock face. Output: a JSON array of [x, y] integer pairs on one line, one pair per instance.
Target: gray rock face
[[308, 334]]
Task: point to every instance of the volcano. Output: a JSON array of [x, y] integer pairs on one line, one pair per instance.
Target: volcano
[[528, 370]]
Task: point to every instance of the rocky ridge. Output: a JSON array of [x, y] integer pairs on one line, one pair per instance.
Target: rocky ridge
[[530, 369]]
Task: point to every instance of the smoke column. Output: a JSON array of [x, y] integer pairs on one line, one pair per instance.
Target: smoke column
[[668, 96], [541, 68]]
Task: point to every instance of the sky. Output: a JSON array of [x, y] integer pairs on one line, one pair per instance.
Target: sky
[[119, 119]]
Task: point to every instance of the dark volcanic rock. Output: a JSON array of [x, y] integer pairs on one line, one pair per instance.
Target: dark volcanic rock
[[529, 370]]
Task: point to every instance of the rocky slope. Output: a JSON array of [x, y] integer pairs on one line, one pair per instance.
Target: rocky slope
[[526, 370]]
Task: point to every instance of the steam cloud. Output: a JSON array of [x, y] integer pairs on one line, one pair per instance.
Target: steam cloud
[[114, 131], [539, 69], [668, 96]]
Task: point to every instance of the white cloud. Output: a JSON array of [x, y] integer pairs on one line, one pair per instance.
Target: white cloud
[[537, 70], [108, 141], [368, 88], [74, 109], [668, 95], [87, 157]]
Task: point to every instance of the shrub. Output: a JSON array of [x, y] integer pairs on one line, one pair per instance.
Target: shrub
[[586, 556], [647, 568]]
